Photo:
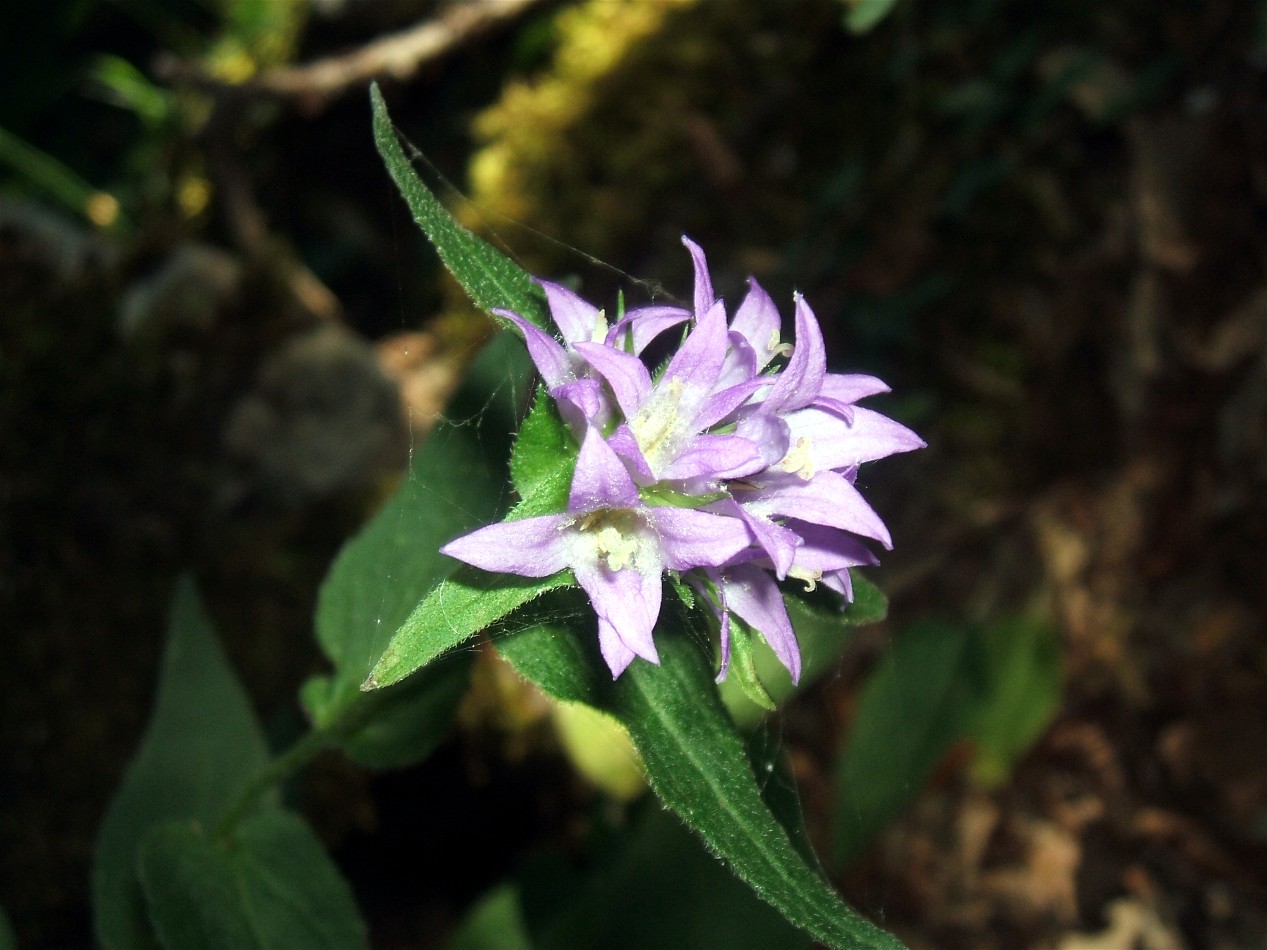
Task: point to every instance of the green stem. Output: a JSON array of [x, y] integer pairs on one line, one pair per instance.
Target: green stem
[[294, 758]]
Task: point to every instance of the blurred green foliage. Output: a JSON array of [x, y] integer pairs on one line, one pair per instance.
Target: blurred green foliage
[[997, 687]]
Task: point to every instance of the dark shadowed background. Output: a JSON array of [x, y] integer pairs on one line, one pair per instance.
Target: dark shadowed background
[[1042, 224]]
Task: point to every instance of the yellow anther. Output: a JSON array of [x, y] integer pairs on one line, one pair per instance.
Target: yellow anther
[[798, 461], [600, 327]]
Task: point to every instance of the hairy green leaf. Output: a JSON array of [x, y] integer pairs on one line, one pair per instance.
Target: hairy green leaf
[[490, 278], [460, 607], [696, 763], [454, 485], [271, 886], [468, 602], [201, 747], [559, 650]]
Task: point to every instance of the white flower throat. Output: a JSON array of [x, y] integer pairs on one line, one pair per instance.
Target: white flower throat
[[660, 426], [615, 536]]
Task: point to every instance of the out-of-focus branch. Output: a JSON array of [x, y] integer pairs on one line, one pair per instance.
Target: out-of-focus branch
[[395, 56]]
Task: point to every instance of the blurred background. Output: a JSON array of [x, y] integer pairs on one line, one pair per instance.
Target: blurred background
[[1041, 223]]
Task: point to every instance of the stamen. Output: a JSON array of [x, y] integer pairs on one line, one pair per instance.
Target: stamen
[[798, 459], [809, 577]]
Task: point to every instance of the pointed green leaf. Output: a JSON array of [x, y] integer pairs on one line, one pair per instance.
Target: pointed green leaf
[[911, 710], [456, 482], [490, 278], [460, 607], [697, 765], [468, 602], [270, 887], [201, 747], [695, 761]]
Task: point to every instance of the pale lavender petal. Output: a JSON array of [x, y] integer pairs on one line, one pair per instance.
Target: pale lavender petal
[[757, 319], [841, 582], [698, 363], [802, 378], [753, 595], [740, 363], [582, 403], [724, 642], [835, 443], [616, 655], [575, 318], [721, 404], [531, 547], [850, 387], [704, 298], [826, 549], [625, 444], [627, 600], [547, 355], [628, 378], [827, 499], [778, 542], [693, 538], [721, 612], [714, 456], [834, 406], [645, 324], [768, 432], [601, 480]]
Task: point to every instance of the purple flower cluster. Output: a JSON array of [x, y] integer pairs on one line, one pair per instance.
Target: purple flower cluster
[[729, 468]]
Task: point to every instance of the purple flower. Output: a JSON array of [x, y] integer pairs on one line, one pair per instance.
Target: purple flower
[[566, 374], [734, 466], [664, 437], [616, 545]]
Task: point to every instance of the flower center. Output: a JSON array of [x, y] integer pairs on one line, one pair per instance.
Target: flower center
[[798, 461], [658, 425], [615, 535]]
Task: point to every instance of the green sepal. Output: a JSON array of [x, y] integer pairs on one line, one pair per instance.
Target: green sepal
[[822, 632], [743, 666], [543, 450]]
